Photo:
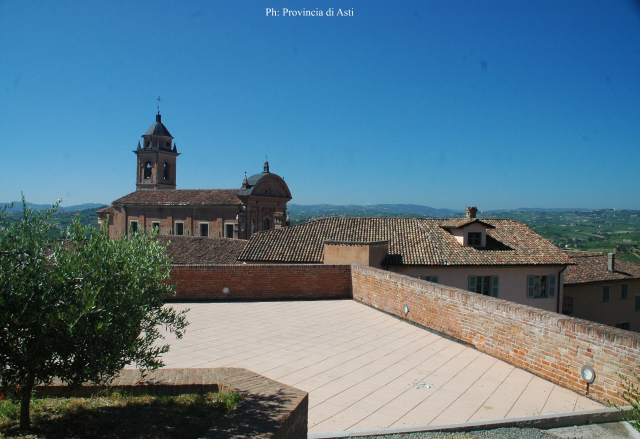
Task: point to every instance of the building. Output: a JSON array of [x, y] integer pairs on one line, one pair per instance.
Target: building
[[259, 204], [495, 257], [603, 289]]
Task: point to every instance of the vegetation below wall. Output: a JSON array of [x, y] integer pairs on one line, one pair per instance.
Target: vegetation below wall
[[119, 415]]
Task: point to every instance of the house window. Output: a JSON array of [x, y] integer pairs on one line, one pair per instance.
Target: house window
[[147, 171], [228, 230], [433, 279], [204, 229], [180, 229], [541, 286], [486, 285], [624, 291], [567, 305], [474, 239], [266, 224], [166, 171], [133, 227], [155, 227], [606, 296], [623, 325], [636, 302]]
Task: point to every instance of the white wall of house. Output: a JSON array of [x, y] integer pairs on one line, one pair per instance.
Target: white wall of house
[[512, 280]]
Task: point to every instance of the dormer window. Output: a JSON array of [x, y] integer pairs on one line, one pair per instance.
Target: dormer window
[[474, 239]]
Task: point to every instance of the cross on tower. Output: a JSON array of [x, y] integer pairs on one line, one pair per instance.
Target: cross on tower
[[159, 100]]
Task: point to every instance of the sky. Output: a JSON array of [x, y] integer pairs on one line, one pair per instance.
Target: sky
[[495, 104]]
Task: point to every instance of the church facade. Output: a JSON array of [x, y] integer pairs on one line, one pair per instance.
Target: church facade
[[259, 204]]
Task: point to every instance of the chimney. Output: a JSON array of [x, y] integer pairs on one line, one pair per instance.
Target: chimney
[[471, 212], [611, 262]]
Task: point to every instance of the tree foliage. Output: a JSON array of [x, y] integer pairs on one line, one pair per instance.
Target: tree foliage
[[78, 309]]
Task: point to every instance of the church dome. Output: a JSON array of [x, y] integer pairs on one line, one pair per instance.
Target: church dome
[[158, 128]]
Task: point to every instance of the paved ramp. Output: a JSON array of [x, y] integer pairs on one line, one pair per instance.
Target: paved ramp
[[364, 369]]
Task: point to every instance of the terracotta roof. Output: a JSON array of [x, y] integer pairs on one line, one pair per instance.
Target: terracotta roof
[[412, 241], [177, 197], [592, 267], [456, 223], [202, 250], [109, 210]]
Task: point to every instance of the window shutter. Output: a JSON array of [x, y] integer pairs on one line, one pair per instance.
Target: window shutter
[[552, 285], [494, 286], [637, 299], [531, 282], [472, 284]]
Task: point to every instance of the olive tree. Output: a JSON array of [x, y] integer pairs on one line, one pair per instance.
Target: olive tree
[[80, 308]]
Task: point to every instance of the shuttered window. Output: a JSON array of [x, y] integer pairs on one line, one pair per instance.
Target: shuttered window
[[531, 286], [542, 286], [552, 285], [486, 285], [624, 291]]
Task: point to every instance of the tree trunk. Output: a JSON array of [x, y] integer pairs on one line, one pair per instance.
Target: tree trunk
[[25, 403]]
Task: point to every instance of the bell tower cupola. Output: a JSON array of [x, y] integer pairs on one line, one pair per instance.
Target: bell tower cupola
[[156, 158]]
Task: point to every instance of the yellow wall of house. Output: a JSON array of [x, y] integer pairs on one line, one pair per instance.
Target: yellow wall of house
[[588, 304]]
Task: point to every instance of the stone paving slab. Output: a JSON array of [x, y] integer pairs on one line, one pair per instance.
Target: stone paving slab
[[363, 369]]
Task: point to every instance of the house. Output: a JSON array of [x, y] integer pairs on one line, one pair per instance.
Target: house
[[259, 204], [603, 289], [495, 257]]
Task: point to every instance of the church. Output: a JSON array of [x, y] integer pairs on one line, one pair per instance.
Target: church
[[259, 204]]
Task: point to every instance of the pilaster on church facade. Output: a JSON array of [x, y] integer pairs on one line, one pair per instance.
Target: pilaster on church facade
[[259, 204]]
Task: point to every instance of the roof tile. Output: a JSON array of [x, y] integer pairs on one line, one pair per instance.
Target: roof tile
[[412, 241], [187, 197], [185, 250], [592, 267]]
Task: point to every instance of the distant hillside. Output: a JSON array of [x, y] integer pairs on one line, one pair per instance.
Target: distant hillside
[[542, 209], [17, 206], [301, 213]]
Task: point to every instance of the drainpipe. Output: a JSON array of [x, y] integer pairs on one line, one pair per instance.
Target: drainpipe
[[559, 284]]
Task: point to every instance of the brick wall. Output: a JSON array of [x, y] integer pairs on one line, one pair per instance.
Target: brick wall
[[262, 282], [550, 345]]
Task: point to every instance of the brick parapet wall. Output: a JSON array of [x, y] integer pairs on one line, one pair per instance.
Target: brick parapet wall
[[269, 409], [262, 282], [550, 345]]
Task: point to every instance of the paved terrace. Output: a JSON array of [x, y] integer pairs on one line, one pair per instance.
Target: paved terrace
[[362, 368]]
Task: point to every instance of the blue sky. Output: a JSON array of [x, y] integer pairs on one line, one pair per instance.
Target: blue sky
[[498, 104]]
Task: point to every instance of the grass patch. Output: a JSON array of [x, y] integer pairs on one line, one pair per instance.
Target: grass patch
[[118, 415]]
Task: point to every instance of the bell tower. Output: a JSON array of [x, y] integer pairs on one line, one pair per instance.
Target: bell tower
[[156, 158]]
